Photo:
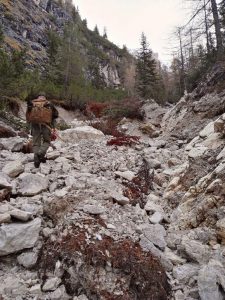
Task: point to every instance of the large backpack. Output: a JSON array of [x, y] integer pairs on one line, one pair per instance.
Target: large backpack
[[40, 112]]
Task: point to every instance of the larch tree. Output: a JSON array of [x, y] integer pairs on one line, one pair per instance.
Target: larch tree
[[146, 75]]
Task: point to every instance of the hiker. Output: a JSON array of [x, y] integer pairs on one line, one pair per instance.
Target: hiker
[[41, 114]]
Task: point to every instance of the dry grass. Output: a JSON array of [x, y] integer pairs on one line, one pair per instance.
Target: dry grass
[[7, 4], [13, 43]]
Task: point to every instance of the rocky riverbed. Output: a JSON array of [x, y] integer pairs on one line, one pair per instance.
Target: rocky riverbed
[[72, 229]]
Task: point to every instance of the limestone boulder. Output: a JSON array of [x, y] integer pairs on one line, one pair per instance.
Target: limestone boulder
[[14, 144], [32, 184], [83, 132], [211, 281], [19, 236]]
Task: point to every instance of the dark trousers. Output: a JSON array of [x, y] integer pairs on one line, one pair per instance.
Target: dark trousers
[[41, 139]]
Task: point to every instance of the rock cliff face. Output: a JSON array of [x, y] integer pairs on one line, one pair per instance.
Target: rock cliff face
[[25, 25]]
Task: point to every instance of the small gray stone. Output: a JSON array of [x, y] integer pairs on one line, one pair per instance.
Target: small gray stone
[[119, 198], [20, 215], [93, 209], [27, 260], [13, 169], [129, 175], [36, 289], [156, 218], [51, 284]]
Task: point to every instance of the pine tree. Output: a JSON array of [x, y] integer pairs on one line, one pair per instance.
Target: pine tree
[[96, 30], [146, 70], [105, 36]]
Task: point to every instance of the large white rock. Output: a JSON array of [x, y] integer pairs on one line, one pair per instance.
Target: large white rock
[[32, 184], [13, 168], [15, 237], [79, 133], [14, 144]]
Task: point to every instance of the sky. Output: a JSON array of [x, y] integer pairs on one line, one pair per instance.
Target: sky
[[125, 20]]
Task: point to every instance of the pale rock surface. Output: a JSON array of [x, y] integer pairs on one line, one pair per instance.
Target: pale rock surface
[[28, 259], [211, 277], [15, 237], [129, 175], [5, 181], [5, 218], [79, 133], [51, 284], [20, 215], [119, 198], [14, 144], [32, 184], [156, 234], [13, 169]]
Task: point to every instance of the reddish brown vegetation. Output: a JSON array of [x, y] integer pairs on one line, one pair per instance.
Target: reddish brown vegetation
[[108, 127], [127, 140], [95, 109], [140, 185], [142, 272]]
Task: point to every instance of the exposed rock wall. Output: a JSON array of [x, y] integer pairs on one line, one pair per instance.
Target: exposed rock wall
[[25, 25]]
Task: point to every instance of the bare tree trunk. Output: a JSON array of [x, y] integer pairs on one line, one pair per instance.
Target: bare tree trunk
[[183, 84], [217, 28], [206, 29], [191, 38]]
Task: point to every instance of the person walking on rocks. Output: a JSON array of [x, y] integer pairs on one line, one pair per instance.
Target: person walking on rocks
[[41, 115]]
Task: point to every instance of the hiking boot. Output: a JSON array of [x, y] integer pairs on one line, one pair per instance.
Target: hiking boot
[[36, 161], [42, 158], [37, 164]]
